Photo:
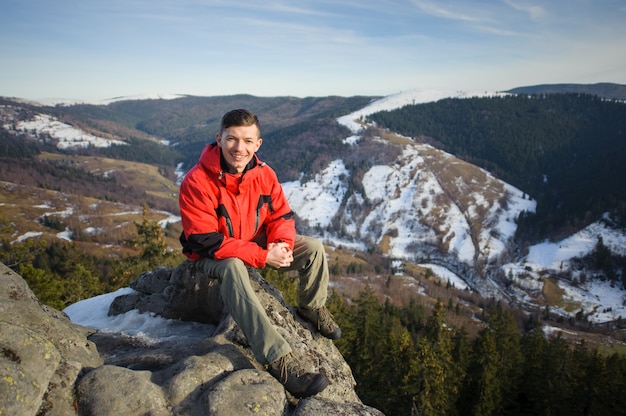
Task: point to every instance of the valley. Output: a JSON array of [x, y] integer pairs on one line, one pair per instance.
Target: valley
[[396, 213]]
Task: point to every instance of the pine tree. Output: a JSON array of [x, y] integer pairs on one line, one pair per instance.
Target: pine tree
[[153, 253], [438, 380], [510, 359], [488, 394], [398, 371], [150, 239], [367, 347], [48, 288], [80, 284], [533, 399]]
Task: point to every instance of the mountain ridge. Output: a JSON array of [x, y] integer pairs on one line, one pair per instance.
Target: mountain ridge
[[601, 89]]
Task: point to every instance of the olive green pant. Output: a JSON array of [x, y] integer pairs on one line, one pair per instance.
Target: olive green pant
[[244, 306]]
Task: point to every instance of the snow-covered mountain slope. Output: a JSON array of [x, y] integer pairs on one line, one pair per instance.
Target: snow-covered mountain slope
[[426, 202], [49, 129], [431, 208], [391, 102]]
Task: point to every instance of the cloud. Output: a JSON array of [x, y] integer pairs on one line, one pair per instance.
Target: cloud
[[436, 9], [534, 11]]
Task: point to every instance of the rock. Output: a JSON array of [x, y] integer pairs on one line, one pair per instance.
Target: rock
[[110, 390], [248, 391], [318, 406], [42, 352], [50, 366], [175, 294]]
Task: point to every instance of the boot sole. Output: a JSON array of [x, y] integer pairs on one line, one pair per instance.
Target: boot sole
[[317, 385]]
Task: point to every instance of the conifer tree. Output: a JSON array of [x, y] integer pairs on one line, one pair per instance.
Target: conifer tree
[[80, 284], [150, 239], [399, 371], [46, 286], [438, 380], [532, 398], [367, 347], [153, 252], [510, 359]]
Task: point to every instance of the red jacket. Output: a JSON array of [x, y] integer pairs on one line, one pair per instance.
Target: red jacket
[[230, 215]]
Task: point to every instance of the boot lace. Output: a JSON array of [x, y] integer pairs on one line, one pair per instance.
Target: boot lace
[[287, 365], [325, 319]]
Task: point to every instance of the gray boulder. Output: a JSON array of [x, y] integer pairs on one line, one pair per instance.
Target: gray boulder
[[50, 366], [42, 353]]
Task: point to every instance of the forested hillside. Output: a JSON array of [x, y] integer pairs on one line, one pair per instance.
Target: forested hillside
[[565, 150], [296, 131]]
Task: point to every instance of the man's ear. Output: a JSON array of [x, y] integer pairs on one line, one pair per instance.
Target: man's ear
[[218, 138], [260, 142]]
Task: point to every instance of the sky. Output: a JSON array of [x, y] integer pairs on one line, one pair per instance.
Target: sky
[[87, 49]]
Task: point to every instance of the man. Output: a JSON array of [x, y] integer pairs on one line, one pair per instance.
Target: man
[[235, 214]]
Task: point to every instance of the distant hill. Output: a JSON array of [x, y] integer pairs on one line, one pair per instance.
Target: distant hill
[[602, 89], [189, 123]]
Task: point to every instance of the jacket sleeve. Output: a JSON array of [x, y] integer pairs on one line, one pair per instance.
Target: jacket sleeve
[[201, 235], [281, 225]]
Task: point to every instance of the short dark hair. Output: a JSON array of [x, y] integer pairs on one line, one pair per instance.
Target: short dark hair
[[239, 117]]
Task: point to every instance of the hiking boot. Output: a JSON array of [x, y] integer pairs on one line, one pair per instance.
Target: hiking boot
[[296, 380], [323, 321]]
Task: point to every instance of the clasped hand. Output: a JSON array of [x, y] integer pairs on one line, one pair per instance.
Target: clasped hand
[[279, 255]]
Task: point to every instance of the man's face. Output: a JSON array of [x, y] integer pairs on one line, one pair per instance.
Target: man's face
[[239, 144]]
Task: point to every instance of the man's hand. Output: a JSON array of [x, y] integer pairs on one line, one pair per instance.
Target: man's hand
[[279, 255]]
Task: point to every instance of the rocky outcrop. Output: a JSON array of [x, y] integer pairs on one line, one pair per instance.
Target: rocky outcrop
[[50, 366], [42, 353]]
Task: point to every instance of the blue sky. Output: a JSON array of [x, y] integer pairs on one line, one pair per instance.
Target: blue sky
[[86, 49]]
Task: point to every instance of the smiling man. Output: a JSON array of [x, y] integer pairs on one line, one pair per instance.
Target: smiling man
[[235, 215]]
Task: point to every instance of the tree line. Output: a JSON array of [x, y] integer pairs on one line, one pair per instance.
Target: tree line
[[408, 364], [409, 360]]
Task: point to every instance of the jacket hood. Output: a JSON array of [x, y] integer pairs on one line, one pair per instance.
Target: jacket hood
[[212, 160]]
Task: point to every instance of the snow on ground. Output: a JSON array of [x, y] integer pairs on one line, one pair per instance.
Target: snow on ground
[[66, 135], [517, 202], [447, 276], [68, 101], [394, 101], [553, 255], [599, 300], [65, 235], [318, 200], [147, 327], [170, 219], [29, 234]]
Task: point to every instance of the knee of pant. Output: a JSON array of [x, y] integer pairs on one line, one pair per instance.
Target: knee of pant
[[315, 246], [310, 244], [234, 269]]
